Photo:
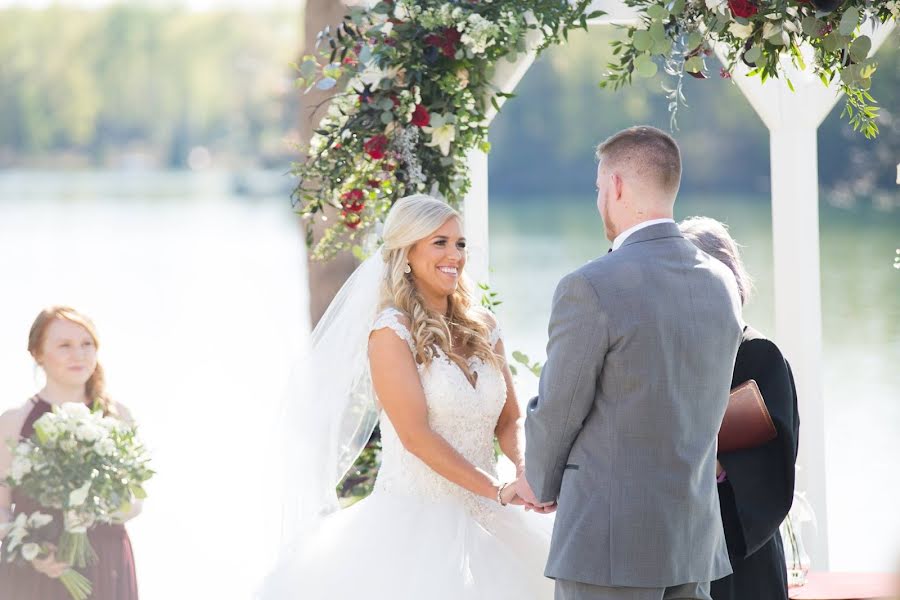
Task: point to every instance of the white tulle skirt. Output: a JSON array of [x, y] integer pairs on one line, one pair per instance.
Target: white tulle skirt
[[394, 547]]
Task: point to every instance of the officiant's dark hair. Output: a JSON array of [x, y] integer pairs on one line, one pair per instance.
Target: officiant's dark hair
[[651, 152]]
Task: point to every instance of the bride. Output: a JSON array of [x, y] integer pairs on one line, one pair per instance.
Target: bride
[[405, 344]]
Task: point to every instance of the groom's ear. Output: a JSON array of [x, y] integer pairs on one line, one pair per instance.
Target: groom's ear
[[618, 184]]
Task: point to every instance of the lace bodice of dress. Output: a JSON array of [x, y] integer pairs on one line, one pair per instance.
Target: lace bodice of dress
[[464, 415]]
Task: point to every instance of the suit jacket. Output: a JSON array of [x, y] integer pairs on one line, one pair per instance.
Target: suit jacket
[[641, 347]]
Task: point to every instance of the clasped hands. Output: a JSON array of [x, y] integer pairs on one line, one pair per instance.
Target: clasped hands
[[520, 493]]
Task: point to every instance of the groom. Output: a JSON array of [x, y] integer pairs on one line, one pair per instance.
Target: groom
[[622, 436]]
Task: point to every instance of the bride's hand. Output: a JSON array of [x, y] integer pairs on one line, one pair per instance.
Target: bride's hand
[[509, 496]]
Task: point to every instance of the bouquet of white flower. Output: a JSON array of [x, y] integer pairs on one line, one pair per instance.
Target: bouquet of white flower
[[23, 542], [88, 466]]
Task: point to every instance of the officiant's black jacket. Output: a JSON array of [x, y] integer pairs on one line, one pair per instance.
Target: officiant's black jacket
[[757, 494]]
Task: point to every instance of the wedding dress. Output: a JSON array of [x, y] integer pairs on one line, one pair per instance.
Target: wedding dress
[[419, 536]]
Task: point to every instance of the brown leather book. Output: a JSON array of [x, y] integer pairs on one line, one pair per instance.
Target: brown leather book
[[747, 423]]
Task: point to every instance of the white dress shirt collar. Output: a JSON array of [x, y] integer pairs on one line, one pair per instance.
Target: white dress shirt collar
[[620, 239]]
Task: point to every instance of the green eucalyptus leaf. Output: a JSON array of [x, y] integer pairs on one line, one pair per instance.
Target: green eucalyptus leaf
[[661, 47], [520, 357], [695, 39], [644, 66], [850, 75], [387, 117], [867, 70], [657, 12], [849, 21], [753, 54], [308, 68], [385, 104], [694, 64], [859, 49], [658, 32], [677, 7], [832, 42], [642, 40], [811, 26]]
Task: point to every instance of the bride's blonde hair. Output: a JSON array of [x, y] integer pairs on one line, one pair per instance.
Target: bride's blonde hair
[[410, 220]]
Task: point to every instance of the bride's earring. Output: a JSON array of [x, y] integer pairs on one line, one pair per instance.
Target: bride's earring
[[407, 269]]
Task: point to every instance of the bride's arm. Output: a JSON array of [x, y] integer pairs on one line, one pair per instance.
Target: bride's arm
[[400, 393], [510, 431]]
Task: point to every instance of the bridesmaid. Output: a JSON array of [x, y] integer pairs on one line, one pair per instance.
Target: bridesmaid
[[756, 486], [64, 344]]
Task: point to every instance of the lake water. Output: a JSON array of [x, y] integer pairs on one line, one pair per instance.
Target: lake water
[[200, 298]]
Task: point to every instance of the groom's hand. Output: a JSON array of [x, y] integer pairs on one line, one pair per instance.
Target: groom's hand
[[524, 491]]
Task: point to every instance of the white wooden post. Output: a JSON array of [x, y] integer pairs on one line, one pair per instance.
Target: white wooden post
[[475, 213]]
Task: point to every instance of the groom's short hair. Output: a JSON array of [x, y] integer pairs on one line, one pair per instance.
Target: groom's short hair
[[648, 152]]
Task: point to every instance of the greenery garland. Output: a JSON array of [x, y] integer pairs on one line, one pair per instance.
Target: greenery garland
[[416, 92], [415, 81], [761, 34]]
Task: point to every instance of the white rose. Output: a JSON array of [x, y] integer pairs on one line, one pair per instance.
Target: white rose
[[401, 11], [105, 447], [88, 432], [75, 410], [740, 31], [48, 428], [30, 551]]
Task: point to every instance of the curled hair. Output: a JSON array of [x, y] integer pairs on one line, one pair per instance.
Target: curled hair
[[410, 220], [712, 237], [95, 387]]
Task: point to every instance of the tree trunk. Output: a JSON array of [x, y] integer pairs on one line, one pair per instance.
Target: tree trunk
[[325, 277]]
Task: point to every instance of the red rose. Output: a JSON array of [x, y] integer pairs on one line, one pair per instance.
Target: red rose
[[420, 116], [743, 8], [354, 195], [353, 201], [446, 41], [375, 146], [373, 183], [351, 220]]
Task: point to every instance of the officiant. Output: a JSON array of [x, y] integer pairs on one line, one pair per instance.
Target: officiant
[[756, 485]]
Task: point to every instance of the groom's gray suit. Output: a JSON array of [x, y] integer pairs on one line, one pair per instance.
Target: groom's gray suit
[[640, 356]]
